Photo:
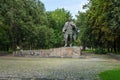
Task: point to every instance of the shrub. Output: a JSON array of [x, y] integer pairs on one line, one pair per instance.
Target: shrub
[[100, 51]]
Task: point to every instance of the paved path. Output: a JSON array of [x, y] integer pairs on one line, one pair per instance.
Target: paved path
[[86, 68]]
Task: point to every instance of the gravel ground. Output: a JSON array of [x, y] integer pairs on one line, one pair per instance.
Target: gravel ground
[[88, 68]]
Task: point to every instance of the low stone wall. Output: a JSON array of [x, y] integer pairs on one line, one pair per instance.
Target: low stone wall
[[74, 52], [3, 53], [116, 56]]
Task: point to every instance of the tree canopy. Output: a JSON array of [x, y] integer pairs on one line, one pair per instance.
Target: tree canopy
[[103, 20], [27, 24]]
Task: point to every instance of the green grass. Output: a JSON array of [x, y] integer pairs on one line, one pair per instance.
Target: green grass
[[89, 51], [110, 75]]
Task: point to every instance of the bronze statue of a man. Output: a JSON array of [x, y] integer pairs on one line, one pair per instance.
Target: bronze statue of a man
[[69, 32]]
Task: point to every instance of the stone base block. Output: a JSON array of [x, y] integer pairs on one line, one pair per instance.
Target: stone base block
[[63, 52]]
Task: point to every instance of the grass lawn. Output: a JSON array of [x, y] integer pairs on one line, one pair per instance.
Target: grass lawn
[[110, 75]]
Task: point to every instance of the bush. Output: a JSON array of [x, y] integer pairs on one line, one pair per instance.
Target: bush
[[100, 51]]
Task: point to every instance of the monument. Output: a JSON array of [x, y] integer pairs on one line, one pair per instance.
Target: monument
[[70, 32]]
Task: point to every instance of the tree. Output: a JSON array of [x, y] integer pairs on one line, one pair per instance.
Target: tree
[[85, 31], [19, 19], [56, 20], [44, 37], [103, 20]]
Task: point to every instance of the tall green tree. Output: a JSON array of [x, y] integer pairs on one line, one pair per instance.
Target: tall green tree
[[56, 20], [19, 19], [85, 34], [103, 20]]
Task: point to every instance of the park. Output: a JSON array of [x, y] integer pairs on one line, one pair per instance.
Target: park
[[74, 40]]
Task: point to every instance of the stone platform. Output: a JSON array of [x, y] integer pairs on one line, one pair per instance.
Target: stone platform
[[62, 52]]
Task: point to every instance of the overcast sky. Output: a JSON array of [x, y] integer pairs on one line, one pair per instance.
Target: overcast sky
[[71, 5]]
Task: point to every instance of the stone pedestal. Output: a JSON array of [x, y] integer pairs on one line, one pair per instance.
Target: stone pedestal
[[73, 52], [63, 52]]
